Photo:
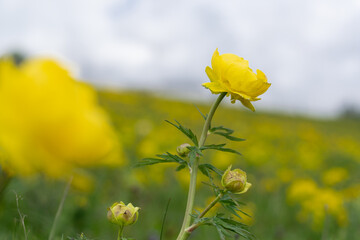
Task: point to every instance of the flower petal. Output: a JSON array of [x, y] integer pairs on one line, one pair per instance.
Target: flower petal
[[247, 186], [215, 87], [215, 63], [247, 104], [244, 101], [229, 58], [211, 75]]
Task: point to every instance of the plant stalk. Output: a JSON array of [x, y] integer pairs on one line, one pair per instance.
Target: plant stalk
[[59, 210], [120, 233], [190, 229], [194, 169]]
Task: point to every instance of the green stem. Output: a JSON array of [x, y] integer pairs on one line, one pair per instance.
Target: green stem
[[190, 229], [194, 169], [58, 212], [209, 118], [120, 232], [211, 205]]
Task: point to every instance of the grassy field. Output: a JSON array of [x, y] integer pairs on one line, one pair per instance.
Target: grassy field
[[305, 176]]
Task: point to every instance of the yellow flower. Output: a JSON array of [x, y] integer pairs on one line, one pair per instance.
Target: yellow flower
[[317, 202], [122, 214], [49, 122], [232, 74], [334, 176], [301, 189]]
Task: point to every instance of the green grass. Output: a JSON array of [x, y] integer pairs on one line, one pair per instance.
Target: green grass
[[306, 147]]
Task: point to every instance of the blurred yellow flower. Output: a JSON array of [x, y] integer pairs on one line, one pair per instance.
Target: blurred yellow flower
[[316, 203], [231, 74], [301, 189], [49, 122], [334, 176]]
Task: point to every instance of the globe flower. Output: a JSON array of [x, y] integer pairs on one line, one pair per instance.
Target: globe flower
[[50, 123], [235, 181], [123, 215], [231, 74]]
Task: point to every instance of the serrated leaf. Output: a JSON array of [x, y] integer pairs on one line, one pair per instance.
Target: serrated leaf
[[226, 225], [232, 205], [237, 228], [168, 155], [150, 161], [220, 231], [205, 171], [225, 132], [212, 168], [219, 147], [185, 131], [232, 138], [221, 128], [212, 146], [162, 158], [180, 167], [237, 203], [231, 209]]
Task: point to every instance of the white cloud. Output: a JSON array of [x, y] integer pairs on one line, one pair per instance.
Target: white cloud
[[310, 50]]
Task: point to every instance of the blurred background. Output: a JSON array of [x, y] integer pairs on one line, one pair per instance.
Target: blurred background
[[146, 60], [308, 49]]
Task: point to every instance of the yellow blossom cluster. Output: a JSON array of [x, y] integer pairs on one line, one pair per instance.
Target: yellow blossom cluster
[[317, 203], [49, 122]]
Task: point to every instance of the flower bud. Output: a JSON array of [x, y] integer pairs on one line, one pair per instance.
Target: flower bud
[[183, 149], [235, 181], [122, 214]]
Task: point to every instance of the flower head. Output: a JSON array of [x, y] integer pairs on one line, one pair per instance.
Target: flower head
[[231, 74], [122, 214], [235, 181], [49, 122]]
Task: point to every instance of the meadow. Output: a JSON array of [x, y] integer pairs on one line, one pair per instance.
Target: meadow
[[304, 171]]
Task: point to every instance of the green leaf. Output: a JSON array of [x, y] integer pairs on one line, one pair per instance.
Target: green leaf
[[185, 131], [162, 158], [212, 168], [180, 167], [225, 132], [232, 205], [193, 154], [232, 138], [227, 226], [205, 171], [219, 147], [204, 116], [221, 231]]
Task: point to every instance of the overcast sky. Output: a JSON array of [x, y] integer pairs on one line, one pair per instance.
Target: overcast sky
[[309, 49]]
